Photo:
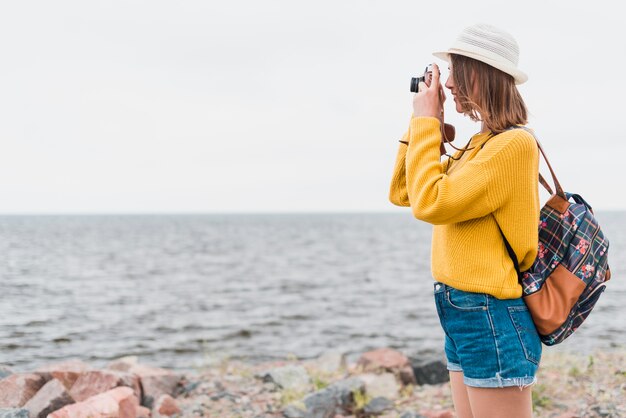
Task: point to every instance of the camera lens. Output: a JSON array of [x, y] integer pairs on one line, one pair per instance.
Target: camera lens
[[415, 81]]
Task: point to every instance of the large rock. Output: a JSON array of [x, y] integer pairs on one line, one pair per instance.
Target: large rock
[[429, 370], [143, 412], [386, 359], [291, 411], [293, 377], [98, 381], [335, 399], [17, 389], [120, 402], [381, 385], [377, 406], [155, 382], [165, 406], [383, 358], [51, 396], [65, 372], [132, 381], [321, 404], [406, 375], [13, 413]]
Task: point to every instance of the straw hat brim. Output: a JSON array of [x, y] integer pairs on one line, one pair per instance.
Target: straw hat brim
[[519, 76]]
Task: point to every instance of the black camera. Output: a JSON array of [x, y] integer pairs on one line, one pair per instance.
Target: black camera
[[426, 78], [447, 131]]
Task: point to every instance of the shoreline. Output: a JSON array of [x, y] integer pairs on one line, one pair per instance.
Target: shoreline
[[382, 382], [209, 358]]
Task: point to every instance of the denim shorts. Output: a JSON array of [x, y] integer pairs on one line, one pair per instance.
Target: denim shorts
[[493, 341]]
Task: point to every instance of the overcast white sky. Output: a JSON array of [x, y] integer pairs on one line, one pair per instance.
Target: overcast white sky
[[255, 106]]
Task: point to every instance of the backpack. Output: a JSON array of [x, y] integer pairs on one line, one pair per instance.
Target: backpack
[[571, 269]]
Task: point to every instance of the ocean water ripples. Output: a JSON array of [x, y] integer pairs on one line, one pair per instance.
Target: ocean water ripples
[[177, 290]]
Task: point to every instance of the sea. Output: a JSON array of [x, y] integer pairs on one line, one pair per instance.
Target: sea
[[190, 291]]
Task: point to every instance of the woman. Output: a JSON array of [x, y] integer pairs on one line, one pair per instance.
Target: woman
[[491, 345]]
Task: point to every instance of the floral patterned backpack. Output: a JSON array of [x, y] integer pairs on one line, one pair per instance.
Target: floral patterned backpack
[[571, 269]]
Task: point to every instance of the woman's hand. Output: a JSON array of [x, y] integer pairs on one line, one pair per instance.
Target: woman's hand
[[429, 100]]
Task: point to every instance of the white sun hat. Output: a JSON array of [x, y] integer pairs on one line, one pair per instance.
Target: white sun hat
[[490, 45]]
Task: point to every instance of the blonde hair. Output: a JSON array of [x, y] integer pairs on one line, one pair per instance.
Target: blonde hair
[[497, 101]]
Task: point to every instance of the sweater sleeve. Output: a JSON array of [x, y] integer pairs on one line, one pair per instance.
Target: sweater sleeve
[[478, 188], [397, 191]]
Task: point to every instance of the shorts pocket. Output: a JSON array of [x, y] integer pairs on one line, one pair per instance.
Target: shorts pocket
[[526, 331], [466, 301]]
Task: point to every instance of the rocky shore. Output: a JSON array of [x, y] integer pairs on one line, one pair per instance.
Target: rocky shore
[[381, 383]]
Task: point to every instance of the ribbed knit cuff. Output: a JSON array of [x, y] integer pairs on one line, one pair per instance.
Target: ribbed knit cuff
[[422, 127]]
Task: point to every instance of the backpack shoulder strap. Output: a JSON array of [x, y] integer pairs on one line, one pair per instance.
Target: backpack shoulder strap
[[509, 249]]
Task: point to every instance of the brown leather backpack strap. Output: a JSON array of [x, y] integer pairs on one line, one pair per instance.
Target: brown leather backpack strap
[[557, 185], [545, 184]]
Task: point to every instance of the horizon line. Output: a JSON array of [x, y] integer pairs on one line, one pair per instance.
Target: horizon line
[[199, 213]]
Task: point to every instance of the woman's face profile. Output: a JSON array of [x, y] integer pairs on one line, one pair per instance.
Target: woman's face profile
[[450, 85]]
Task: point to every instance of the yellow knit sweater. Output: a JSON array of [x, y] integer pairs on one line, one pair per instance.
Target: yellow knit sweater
[[498, 183]]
